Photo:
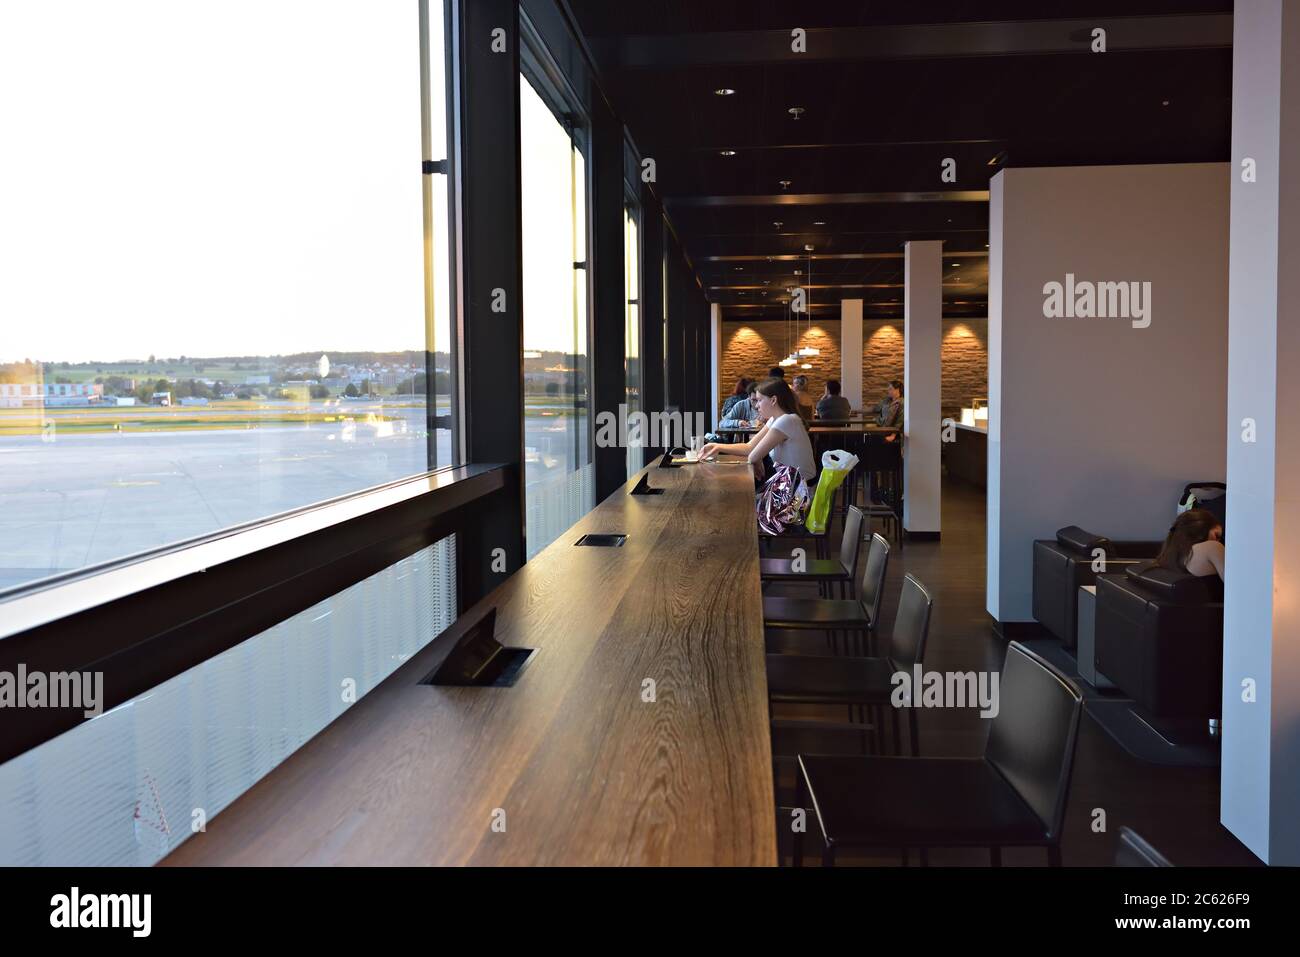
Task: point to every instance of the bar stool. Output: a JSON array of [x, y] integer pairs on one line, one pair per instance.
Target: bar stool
[[882, 465], [856, 616], [826, 572], [862, 683], [1012, 796], [796, 533]]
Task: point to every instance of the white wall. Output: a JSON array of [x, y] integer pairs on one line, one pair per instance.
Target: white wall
[[922, 384], [851, 351], [1260, 783], [1093, 422]]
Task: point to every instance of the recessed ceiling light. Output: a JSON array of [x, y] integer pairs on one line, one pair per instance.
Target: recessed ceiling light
[[724, 91], [726, 152], [796, 111], [819, 222], [955, 265], [1164, 102], [739, 268], [808, 247], [778, 224], [785, 183]]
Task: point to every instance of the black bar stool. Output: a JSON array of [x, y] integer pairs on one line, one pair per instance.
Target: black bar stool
[[834, 615], [826, 572], [1013, 796], [862, 683]]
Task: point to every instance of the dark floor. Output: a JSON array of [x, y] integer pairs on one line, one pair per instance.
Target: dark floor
[[1175, 808]]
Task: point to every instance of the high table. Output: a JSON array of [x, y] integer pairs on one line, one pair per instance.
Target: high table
[[572, 759]]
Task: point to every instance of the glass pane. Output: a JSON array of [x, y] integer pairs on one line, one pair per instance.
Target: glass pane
[[632, 333], [221, 315], [124, 788], [557, 460]]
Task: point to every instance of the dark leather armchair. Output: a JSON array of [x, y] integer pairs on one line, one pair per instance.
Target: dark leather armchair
[[1160, 640], [1062, 565]]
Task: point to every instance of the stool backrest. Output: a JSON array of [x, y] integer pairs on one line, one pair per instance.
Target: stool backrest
[[911, 624], [873, 577], [852, 539], [1033, 734]]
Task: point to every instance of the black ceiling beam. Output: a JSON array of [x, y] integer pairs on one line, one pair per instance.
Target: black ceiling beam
[[833, 199], [917, 41]]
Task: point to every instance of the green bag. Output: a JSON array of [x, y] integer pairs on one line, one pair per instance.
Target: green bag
[[836, 466]]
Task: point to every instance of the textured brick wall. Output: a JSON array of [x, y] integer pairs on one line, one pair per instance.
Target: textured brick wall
[[751, 349]]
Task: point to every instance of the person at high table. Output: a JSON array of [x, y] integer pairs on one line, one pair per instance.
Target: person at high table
[[783, 496], [742, 392], [832, 405], [803, 398], [891, 409], [742, 413]]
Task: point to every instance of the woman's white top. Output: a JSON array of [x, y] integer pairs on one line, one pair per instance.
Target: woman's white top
[[1207, 558], [796, 450]]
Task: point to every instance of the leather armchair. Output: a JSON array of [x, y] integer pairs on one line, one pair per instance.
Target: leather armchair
[[1065, 563], [1160, 640]]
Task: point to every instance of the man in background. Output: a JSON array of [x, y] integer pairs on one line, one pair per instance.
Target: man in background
[[832, 405]]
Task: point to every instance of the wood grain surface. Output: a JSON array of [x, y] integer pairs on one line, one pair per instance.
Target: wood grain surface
[[585, 771]]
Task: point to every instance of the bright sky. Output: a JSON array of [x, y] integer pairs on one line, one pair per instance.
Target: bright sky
[[550, 170], [187, 179]]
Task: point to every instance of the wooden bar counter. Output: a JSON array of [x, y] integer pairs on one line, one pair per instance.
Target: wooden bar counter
[[584, 770]]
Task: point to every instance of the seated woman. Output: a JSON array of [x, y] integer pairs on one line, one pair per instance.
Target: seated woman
[[1195, 545], [784, 496], [741, 392]]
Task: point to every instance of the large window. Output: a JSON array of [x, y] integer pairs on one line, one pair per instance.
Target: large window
[[226, 275], [632, 330], [557, 445]]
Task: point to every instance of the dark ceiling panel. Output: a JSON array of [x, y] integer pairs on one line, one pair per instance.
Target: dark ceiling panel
[[886, 126]]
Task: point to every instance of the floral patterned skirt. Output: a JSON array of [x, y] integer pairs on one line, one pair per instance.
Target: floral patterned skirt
[[782, 500]]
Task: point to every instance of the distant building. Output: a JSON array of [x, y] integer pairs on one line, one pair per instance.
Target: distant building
[[19, 395], [160, 398], [257, 380], [192, 400]]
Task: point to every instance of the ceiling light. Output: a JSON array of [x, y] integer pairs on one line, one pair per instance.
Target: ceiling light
[[955, 265], [724, 91], [778, 224], [726, 152], [785, 183], [1164, 102], [998, 159], [819, 222], [808, 247], [796, 111]]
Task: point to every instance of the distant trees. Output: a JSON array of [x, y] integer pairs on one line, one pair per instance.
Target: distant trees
[[351, 391], [320, 392]]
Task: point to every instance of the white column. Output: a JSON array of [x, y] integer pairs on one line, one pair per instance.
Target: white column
[[715, 350], [922, 339], [1260, 781], [851, 351]]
